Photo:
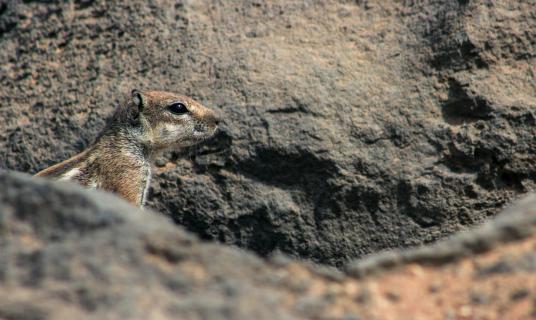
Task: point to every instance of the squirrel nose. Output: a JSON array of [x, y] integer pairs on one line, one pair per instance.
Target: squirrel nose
[[215, 119]]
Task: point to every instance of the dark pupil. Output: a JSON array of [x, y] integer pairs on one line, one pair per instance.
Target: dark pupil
[[178, 108]]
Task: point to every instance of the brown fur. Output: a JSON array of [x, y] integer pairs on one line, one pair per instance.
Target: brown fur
[[119, 160]]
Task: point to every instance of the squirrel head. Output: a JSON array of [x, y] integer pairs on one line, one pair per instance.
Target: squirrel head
[[167, 120]]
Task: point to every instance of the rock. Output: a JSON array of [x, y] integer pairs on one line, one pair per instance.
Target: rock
[[350, 127], [513, 224], [70, 253], [66, 252]]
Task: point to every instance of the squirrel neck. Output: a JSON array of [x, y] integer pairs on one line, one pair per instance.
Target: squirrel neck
[[127, 141], [122, 157]]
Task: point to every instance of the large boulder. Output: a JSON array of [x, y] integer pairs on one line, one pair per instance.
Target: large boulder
[[68, 253], [350, 126]]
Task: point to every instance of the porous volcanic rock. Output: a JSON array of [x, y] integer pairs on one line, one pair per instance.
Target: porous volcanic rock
[[350, 126], [66, 253], [69, 253]]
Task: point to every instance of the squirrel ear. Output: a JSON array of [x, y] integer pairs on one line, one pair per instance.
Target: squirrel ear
[[138, 103], [137, 98]]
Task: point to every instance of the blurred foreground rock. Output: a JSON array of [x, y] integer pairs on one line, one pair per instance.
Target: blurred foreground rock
[[66, 253]]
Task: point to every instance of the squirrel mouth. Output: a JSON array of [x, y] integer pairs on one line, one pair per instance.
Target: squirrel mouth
[[203, 131], [200, 128]]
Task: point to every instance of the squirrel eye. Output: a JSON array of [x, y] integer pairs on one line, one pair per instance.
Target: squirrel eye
[[178, 108]]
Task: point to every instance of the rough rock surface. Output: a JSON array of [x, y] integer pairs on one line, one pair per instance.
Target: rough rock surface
[[68, 253], [351, 126]]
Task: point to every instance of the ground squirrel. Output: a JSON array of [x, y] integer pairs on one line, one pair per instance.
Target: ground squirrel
[[120, 159]]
